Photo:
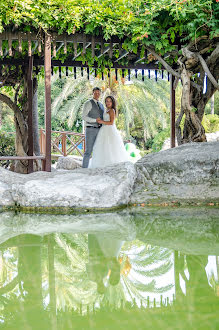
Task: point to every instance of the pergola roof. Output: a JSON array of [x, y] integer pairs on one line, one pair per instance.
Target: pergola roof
[[15, 47]]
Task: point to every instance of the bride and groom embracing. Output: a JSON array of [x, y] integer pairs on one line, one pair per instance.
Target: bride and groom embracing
[[102, 139]]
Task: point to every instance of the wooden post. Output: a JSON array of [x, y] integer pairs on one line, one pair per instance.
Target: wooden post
[[172, 112], [64, 147], [30, 112], [47, 66], [41, 141]]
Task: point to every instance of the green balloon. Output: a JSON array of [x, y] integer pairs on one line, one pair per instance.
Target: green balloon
[[130, 147]]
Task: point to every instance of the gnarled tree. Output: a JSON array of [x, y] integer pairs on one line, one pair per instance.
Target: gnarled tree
[[14, 79]]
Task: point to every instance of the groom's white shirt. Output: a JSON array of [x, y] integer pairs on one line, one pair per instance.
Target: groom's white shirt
[[86, 109]]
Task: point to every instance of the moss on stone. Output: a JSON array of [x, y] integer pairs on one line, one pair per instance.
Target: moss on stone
[[61, 210], [70, 210]]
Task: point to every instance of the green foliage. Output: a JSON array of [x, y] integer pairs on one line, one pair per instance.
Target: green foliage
[[210, 123], [160, 23], [6, 117], [145, 106], [68, 96], [159, 139], [7, 146], [216, 104]]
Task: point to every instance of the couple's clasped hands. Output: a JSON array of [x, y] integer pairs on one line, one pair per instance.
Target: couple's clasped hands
[[99, 120]]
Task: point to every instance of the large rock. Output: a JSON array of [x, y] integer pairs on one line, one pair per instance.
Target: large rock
[[69, 163], [188, 173], [82, 188]]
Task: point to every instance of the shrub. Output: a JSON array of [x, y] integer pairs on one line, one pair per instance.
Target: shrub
[[210, 123], [7, 146], [159, 139]]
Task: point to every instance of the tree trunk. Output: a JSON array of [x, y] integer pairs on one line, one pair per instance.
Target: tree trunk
[[0, 114], [193, 130], [21, 126]]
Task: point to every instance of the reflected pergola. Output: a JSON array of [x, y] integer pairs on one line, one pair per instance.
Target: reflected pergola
[[30, 294]]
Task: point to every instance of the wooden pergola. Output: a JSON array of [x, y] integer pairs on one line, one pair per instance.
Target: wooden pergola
[[42, 50]]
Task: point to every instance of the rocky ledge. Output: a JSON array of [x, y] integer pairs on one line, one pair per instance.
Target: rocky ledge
[[186, 174]]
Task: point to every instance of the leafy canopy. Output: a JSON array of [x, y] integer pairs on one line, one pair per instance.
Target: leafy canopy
[[161, 23]]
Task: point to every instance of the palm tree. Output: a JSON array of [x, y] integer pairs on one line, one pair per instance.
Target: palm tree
[[148, 100]]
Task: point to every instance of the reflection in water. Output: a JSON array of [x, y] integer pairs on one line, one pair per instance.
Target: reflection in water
[[103, 260], [101, 280]]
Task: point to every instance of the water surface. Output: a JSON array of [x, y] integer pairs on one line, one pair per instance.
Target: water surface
[[134, 269]]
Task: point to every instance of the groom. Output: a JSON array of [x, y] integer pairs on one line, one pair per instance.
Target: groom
[[92, 112]]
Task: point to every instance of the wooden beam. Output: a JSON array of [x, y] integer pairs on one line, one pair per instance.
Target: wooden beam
[[60, 46], [47, 66], [93, 46], [9, 44], [30, 112], [60, 38], [111, 49], [39, 46], [84, 44], [1, 51], [139, 59], [172, 112], [125, 53], [29, 44], [21, 157], [65, 45], [75, 46], [19, 42], [79, 64], [103, 51], [79, 53], [142, 58]]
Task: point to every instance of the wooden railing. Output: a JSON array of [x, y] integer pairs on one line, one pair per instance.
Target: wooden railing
[[64, 143]]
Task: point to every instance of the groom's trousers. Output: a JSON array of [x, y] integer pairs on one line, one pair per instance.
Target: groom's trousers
[[90, 137]]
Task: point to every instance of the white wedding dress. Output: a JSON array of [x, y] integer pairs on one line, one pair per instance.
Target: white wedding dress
[[109, 147]]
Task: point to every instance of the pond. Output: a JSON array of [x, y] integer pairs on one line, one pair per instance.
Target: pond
[[133, 269]]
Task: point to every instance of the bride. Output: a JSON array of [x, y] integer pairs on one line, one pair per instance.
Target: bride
[[108, 148]]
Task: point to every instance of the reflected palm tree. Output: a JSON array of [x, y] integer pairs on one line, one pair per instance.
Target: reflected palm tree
[[73, 288], [8, 269], [141, 266]]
